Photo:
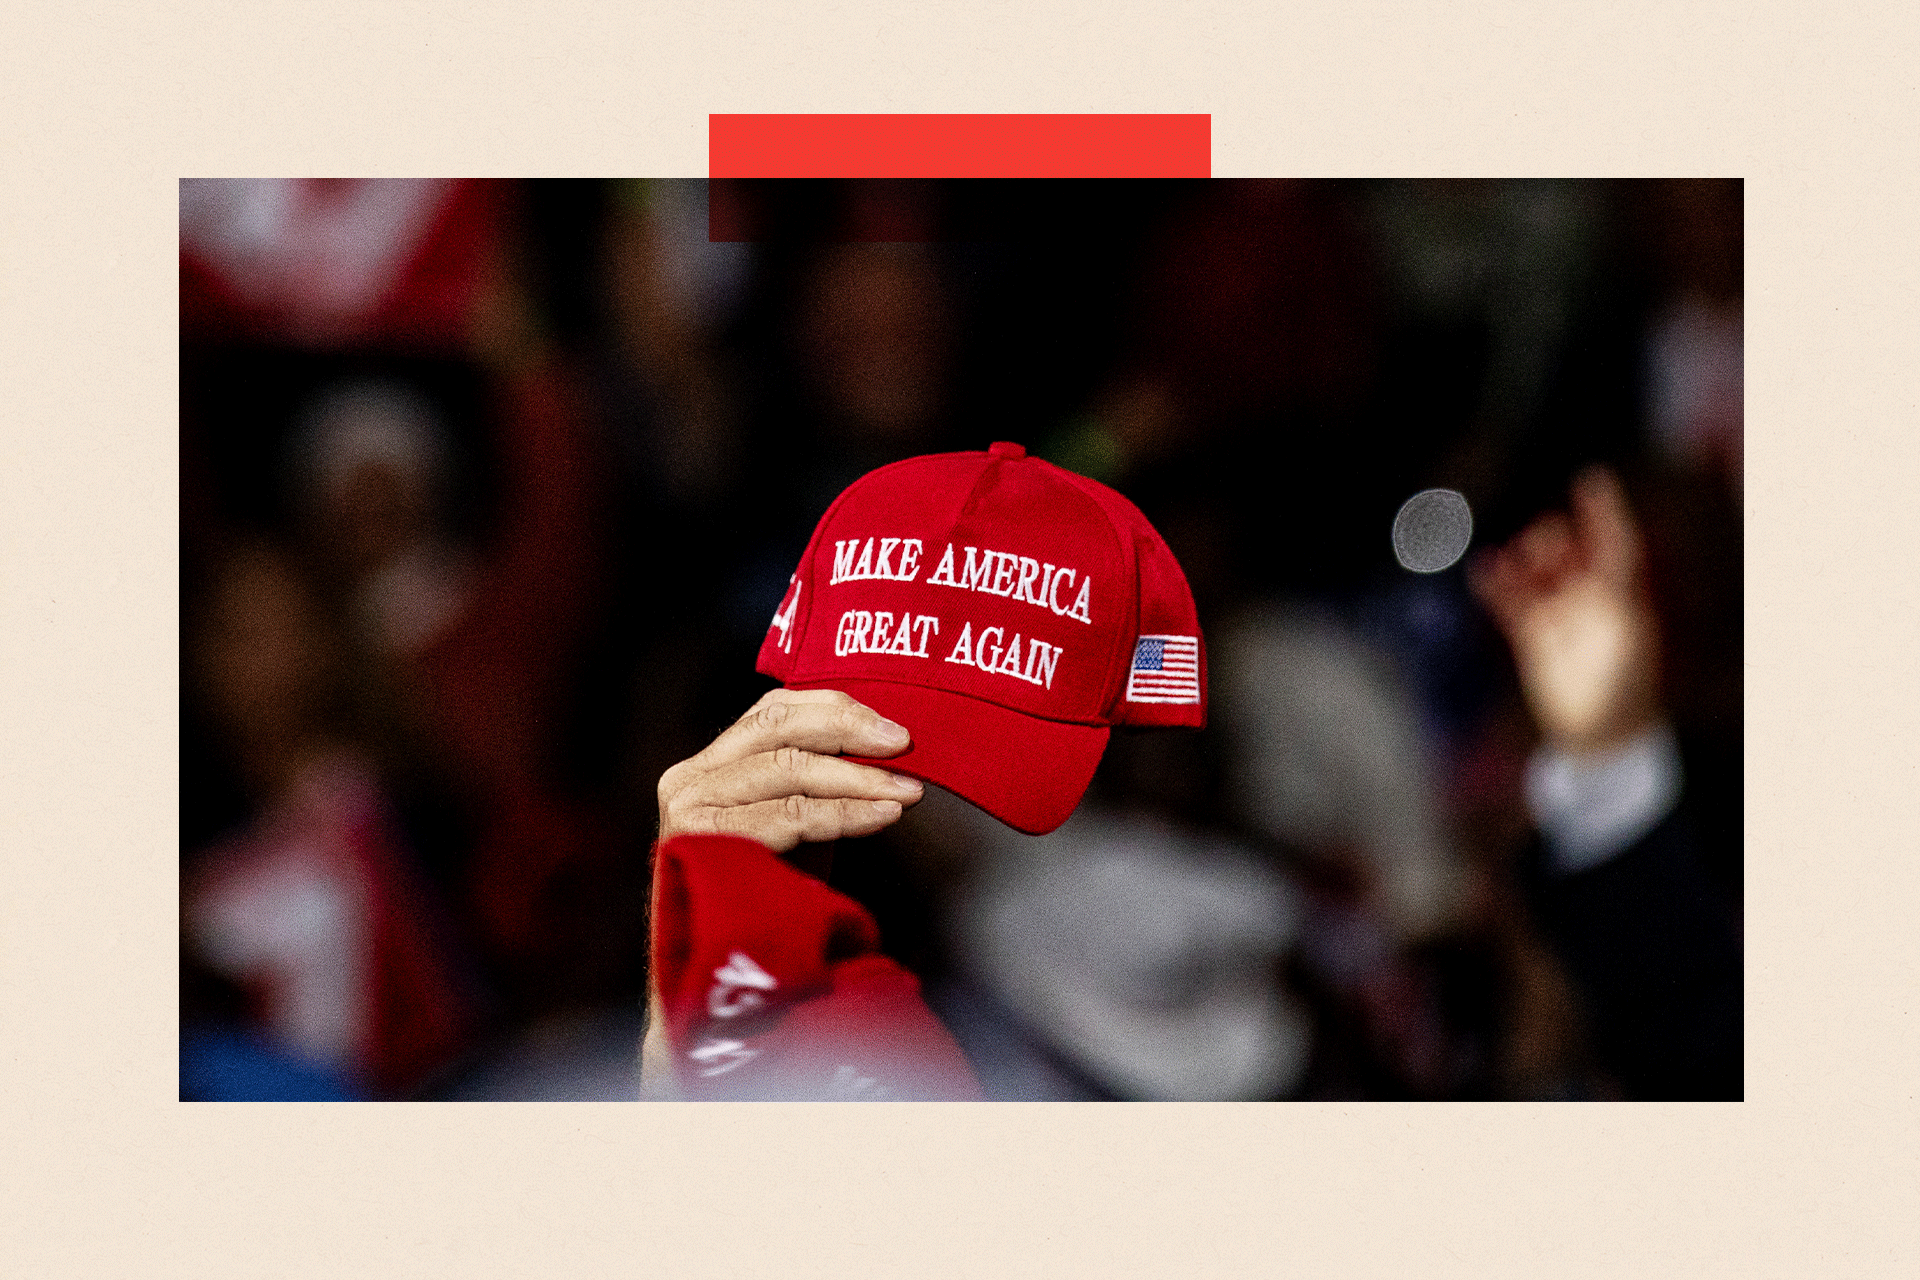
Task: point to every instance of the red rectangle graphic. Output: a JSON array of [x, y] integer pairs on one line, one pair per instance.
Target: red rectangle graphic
[[960, 146]]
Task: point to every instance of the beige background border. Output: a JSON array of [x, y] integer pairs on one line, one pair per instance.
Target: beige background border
[[104, 1175]]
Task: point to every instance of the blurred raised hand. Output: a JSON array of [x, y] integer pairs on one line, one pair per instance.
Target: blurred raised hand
[[1569, 593]]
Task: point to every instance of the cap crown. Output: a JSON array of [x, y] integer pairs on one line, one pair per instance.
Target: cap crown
[[999, 577]]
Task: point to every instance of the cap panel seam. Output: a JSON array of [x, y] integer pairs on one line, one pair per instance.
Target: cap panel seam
[[818, 538], [1120, 525], [1129, 625], [1115, 677]]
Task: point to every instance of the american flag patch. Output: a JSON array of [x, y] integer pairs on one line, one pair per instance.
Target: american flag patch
[[1165, 669]]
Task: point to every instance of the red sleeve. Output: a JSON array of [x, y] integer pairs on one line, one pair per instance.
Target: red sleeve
[[774, 987]]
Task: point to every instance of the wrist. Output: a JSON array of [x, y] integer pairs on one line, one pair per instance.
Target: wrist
[[1591, 805]]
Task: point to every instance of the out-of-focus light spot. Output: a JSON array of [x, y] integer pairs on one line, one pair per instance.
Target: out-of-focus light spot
[[1432, 530]]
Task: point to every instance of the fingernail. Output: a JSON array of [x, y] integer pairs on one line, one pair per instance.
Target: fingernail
[[905, 785], [893, 734]]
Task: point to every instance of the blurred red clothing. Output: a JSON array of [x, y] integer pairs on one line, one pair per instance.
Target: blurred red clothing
[[388, 262], [774, 987], [318, 914]]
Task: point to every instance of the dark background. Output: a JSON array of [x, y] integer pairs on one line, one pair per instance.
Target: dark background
[[639, 427]]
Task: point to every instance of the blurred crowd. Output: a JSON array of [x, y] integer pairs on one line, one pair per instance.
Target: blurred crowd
[[489, 489]]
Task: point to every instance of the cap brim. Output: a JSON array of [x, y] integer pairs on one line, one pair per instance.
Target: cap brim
[[1027, 772]]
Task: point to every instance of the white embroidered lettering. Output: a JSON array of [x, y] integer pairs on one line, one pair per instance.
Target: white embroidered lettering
[[1065, 576], [993, 659], [943, 575], [1035, 663], [963, 647], [1042, 658], [1003, 573], [783, 621], [721, 1056], [1079, 610], [1009, 564], [1029, 570], [903, 640], [1011, 667], [975, 577], [854, 560], [862, 631], [737, 987], [843, 560]]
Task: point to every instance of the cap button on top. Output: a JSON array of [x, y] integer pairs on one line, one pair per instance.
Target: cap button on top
[[1007, 449]]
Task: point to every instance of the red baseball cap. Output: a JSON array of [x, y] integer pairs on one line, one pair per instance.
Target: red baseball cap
[[1007, 612]]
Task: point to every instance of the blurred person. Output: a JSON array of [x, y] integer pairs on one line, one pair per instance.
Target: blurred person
[[1694, 336], [397, 263], [315, 909], [1649, 937], [1688, 502], [459, 652], [502, 705], [1121, 957], [672, 406], [1330, 756], [1327, 760], [478, 643], [874, 337], [1253, 318], [671, 289], [865, 342], [1115, 958], [370, 474], [1509, 261], [470, 647]]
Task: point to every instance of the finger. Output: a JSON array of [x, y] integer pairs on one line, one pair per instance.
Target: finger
[[1509, 586], [1605, 524], [788, 771], [823, 721], [782, 824], [1545, 547]]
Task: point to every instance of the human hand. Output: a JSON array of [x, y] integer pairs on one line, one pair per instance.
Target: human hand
[[775, 775], [1569, 593]]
